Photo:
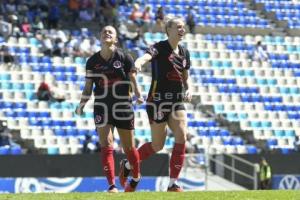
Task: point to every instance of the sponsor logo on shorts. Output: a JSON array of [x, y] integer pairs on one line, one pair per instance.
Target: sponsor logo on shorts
[[98, 119], [131, 123], [159, 115], [184, 63]]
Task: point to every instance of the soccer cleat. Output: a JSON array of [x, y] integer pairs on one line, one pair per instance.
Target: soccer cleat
[[131, 186], [112, 189], [175, 188], [123, 173]]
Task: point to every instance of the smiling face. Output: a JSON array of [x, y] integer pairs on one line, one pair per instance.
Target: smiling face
[[108, 35], [175, 29]]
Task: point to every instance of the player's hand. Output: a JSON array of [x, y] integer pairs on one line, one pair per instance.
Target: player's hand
[[140, 99], [138, 68], [187, 96], [79, 110]]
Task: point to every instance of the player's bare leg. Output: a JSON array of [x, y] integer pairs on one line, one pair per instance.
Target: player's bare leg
[[106, 143], [177, 123], [158, 134], [127, 140]]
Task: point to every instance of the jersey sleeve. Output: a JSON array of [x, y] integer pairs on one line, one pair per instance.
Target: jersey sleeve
[[129, 64], [153, 50]]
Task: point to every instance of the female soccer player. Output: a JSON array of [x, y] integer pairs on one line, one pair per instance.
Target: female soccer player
[[169, 88], [111, 71]]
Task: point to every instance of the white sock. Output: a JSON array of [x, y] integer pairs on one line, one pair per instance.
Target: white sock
[[172, 181], [127, 165]]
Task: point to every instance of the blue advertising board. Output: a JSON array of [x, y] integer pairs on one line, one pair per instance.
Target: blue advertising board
[[286, 182], [86, 184]]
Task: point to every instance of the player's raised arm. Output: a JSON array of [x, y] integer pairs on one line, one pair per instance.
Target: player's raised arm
[[142, 60]]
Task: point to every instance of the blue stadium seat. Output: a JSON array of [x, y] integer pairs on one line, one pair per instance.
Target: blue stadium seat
[[52, 151], [251, 150], [7, 105], [71, 132], [6, 85], [279, 133], [15, 150], [20, 105], [83, 132], [60, 132], [61, 77], [46, 123], [70, 123], [227, 141], [224, 133], [238, 141], [45, 60], [44, 114], [4, 150], [57, 123], [29, 86], [33, 114], [271, 142], [22, 113], [10, 113], [286, 150], [4, 77], [213, 133]]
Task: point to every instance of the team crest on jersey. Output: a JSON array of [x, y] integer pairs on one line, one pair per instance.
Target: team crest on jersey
[[117, 64]]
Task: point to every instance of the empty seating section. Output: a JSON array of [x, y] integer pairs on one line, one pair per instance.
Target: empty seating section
[[263, 97], [221, 13], [284, 10]]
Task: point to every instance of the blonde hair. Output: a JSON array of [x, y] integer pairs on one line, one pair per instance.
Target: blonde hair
[[136, 6], [170, 21]]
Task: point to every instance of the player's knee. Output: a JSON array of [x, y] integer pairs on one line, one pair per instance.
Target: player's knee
[[107, 143], [157, 147], [180, 138], [128, 149]]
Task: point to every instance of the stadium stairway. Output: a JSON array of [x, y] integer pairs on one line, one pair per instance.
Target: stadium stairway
[[217, 183]]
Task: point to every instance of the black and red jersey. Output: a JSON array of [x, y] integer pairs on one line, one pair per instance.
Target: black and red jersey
[[167, 71], [110, 75]]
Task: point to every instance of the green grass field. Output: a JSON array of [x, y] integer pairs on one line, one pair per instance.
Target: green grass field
[[247, 195]]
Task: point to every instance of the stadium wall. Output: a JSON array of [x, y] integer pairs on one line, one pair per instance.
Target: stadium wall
[[83, 165]]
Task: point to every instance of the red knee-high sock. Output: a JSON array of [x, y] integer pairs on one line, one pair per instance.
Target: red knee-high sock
[[134, 160], [108, 164], [145, 151], [177, 159]]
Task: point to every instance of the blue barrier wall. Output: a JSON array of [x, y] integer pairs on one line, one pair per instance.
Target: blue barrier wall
[[86, 184]]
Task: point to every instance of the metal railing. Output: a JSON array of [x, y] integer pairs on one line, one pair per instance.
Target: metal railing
[[253, 176]]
